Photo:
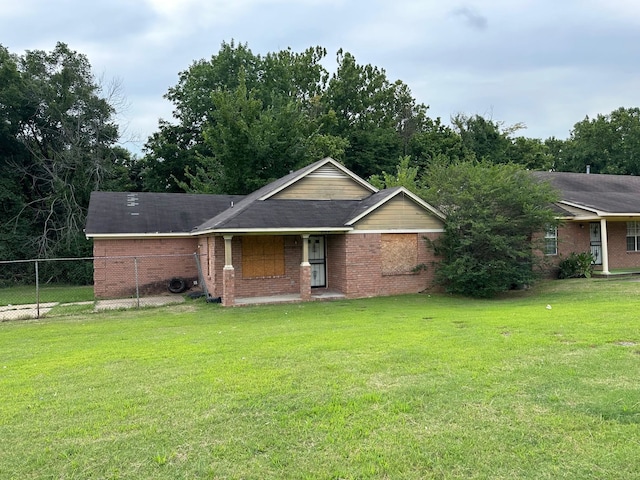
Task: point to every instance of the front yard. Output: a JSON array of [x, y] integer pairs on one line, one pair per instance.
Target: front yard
[[411, 387]]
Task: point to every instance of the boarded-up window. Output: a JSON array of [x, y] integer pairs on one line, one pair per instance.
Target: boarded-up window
[[399, 253], [262, 256]]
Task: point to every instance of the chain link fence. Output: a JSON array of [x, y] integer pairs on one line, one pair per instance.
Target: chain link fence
[[61, 286]]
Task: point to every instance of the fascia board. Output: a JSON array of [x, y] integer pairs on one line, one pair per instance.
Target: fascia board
[[398, 230], [257, 231], [581, 207], [106, 236]]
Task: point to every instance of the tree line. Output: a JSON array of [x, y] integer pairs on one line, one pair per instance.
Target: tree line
[[241, 120]]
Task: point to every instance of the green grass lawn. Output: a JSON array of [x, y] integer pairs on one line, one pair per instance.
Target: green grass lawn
[[409, 387], [47, 293]]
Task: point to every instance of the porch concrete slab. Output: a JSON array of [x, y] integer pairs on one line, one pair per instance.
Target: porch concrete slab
[[327, 296], [289, 298]]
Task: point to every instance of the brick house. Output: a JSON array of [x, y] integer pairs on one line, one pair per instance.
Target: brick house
[[601, 215], [320, 231]]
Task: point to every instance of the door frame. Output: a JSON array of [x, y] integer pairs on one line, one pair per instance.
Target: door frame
[[319, 262], [595, 242]]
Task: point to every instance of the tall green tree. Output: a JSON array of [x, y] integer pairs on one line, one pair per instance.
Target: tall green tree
[[287, 112], [14, 228], [482, 138], [492, 213], [179, 146], [69, 136], [57, 144], [607, 143], [406, 176], [376, 116], [433, 141]]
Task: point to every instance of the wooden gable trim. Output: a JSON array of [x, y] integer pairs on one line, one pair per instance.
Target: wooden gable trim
[[321, 170], [405, 192]]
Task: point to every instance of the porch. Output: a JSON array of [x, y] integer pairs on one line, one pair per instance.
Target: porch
[[617, 273], [319, 295]]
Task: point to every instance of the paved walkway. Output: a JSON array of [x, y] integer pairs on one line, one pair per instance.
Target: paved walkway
[[31, 310]]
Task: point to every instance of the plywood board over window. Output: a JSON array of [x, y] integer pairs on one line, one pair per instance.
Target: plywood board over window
[[262, 256], [399, 253]]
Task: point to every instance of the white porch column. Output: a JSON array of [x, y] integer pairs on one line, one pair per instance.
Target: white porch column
[[605, 246], [305, 270], [228, 257], [228, 275], [305, 250]]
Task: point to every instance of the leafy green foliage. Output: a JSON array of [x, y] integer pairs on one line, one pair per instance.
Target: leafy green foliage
[[576, 265], [57, 144], [245, 119], [493, 212], [405, 177], [607, 143]]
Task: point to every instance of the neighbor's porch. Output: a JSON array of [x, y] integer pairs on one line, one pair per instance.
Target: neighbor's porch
[[613, 242]]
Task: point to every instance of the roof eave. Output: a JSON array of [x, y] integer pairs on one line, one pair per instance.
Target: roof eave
[[280, 231], [99, 236]]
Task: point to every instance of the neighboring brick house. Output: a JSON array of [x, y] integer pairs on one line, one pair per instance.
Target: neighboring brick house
[[317, 231], [601, 215]]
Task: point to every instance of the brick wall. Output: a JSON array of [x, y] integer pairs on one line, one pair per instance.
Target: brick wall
[[158, 260], [336, 263], [573, 238], [353, 268], [364, 277], [618, 255], [260, 286]]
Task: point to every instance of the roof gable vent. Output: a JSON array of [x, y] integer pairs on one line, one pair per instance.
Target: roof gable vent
[[328, 171]]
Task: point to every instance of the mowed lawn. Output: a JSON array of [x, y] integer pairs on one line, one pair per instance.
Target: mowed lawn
[[408, 387]]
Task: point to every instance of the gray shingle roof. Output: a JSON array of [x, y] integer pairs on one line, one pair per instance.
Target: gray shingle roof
[[138, 213], [176, 213], [604, 193], [290, 214], [253, 200]]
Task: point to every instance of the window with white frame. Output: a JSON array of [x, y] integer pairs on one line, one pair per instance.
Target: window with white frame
[[551, 241], [633, 236]]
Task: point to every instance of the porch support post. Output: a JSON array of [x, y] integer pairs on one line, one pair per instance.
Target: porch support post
[[228, 275], [305, 270], [605, 246]]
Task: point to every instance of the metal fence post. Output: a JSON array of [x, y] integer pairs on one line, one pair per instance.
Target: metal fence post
[[37, 292], [135, 266]]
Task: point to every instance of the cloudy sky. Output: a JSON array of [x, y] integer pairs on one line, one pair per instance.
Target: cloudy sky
[[545, 63]]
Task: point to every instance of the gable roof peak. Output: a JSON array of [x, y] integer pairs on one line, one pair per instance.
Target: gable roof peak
[[288, 180]]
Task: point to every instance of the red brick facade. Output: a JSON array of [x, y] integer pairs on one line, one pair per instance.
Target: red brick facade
[[154, 262], [362, 268], [353, 267], [575, 237]]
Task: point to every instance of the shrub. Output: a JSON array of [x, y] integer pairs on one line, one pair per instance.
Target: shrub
[[576, 265]]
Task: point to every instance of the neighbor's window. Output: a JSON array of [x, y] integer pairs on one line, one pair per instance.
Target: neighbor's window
[[399, 253], [262, 256], [551, 241], [633, 236]]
